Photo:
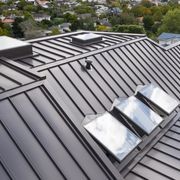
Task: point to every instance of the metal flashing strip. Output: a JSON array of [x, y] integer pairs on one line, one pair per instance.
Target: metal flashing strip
[[20, 68], [20, 89]]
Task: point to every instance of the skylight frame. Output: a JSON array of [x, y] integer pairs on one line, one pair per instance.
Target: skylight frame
[[86, 39]]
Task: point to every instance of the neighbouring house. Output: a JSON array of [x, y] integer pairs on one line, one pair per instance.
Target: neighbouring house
[[64, 27], [40, 17], [89, 105], [166, 39], [104, 22], [7, 20]]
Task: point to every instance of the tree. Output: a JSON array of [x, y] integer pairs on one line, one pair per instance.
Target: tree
[[16, 28], [157, 16], [148, 22], [128, 29], [30, 29], [146, 3], [171, 22], [124, 18]]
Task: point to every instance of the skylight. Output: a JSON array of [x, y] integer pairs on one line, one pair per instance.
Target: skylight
[[86, 39], [159, 97], [113, 135], [139, 114]]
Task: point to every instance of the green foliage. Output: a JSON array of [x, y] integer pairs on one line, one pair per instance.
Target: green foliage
[[82, 9], [55, 31], [171, 22], [46, 24], [16, 29], [157, 16], [124, 18], [148, 22], [30, 8], [128, 29], [146, 3], [102, 28], [57, 21], [140, 11]]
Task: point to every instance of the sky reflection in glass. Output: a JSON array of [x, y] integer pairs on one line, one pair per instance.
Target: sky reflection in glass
[[113, 135], [159, 97], [140, 114]]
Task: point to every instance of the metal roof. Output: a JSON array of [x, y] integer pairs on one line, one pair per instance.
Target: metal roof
[[39, 141], [165, 36], [74, 92], [58, 48]]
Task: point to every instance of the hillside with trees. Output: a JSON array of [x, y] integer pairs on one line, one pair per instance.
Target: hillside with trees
[[31, 19]]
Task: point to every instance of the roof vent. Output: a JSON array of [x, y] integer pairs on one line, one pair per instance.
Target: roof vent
[[13, 48], [88, 64], [86, 39]]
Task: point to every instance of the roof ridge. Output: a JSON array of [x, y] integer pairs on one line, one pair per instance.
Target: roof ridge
[[74, 58]]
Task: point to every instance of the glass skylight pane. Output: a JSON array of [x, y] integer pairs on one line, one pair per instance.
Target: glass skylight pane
[[140, 114], [87, 36], [113, 135], [159, 98]]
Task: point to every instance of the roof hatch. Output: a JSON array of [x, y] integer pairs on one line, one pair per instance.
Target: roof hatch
[[86, 39], [13, 48]]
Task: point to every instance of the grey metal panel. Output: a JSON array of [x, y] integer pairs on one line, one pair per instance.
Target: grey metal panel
[[134, 176], [167, 150], [41, 141], [161, 168], [6, 83], [68, 46], [62, 93], [47, 54], [114, 72], [148, 173], [80, 169], [132, 66], [33, 151], [41, 130], [16, 76], [3, 173], [11, 157], [70, 89], [165, 159]]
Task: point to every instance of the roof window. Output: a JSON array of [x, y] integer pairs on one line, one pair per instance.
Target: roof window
[[159, 98], [139, 114], [112, 134]]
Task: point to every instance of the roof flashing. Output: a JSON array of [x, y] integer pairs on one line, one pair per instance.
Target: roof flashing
[[13, 48], [86, 39]]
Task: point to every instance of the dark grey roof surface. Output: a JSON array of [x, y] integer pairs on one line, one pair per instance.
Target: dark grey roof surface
[[57, 48], [116, 72], [161, 160], [13, 75], [38, 141]]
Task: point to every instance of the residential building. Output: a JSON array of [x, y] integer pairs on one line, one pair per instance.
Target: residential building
[[166, 39], [61, 95]]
